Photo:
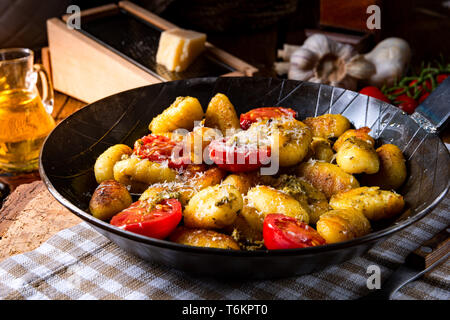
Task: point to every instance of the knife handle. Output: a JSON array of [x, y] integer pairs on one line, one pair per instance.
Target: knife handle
[[430, 251]]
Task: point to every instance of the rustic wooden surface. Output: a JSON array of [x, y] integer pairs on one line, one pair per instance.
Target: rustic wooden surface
[[30, 215]]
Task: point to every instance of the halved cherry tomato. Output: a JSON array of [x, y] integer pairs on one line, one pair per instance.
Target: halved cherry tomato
[[283, 232], [156, 222], [159, 149], [406, 103], [238, 158], [374, 92], [254, 115]]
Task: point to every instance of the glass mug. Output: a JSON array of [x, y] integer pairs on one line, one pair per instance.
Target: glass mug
[[25, 114]]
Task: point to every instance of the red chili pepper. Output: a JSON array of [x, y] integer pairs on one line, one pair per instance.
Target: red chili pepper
[[374, 92]]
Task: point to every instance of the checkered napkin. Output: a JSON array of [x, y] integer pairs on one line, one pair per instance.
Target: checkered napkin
[[79, 263]]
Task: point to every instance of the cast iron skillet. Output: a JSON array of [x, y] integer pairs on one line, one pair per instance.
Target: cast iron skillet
[[70, 151]]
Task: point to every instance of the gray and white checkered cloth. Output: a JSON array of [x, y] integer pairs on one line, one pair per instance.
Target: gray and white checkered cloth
[[79, 263]]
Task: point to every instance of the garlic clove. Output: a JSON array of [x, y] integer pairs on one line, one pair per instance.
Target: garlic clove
[[304, 58], [390, 58], [281, 68], [345, 52], [287, 51], [319, 44], [360, 68], [297, 74]]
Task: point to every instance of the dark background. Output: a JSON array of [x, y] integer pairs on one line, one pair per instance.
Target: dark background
[[425, 24]]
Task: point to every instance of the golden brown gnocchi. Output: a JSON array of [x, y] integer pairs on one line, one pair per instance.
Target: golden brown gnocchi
[[290, 139], [357, 156], [104, 165], [242, 181], [221, 114], [213, 207], [392, 173], [321, 149], [327, 177], [342, 225], [313, 200], [109, 198], [328, 125], [140, 173], [181, 114], [361, 133], [203, 196], [203, 238], [267, 200], [373, 202]]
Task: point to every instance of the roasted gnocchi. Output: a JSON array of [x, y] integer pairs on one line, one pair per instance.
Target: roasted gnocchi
[[206, 183]]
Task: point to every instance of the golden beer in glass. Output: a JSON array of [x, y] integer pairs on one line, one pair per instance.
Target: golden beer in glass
[[25, 119]]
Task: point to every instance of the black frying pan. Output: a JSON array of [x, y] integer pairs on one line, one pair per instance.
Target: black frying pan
[[70, 151]]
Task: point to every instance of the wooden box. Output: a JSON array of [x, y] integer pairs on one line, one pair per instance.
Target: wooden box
[[88, 68]]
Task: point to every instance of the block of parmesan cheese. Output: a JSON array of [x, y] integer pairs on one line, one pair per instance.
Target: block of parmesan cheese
[[178, 48]]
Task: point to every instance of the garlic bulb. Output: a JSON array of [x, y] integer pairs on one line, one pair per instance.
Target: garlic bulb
[[323, 60], [390, 58]]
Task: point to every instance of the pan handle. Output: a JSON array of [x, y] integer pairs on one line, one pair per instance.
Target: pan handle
[[433, 114]]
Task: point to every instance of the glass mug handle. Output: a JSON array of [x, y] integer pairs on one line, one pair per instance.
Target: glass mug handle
[[47, 88]]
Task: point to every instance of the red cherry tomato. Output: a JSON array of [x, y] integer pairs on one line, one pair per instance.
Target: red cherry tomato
[[426, 86], [283, 232], [159, 149], [157, 222], [423, 97], [254, 115], [406, 103], [374, 92], [440, 78], [236, 158]]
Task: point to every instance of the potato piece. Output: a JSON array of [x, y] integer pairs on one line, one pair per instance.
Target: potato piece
[[342, 225], [104, 165], [139, 174], [221, 114], [269, 200], [374, 203], [328, 125], [109, 198], [213, 207], [327, 177], [181, 114], [361, 133], [392, 173], [321, 149], [242, 181], [357, 156], [203, 238]]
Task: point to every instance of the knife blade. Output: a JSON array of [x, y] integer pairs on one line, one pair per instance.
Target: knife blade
[[419, 262]]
